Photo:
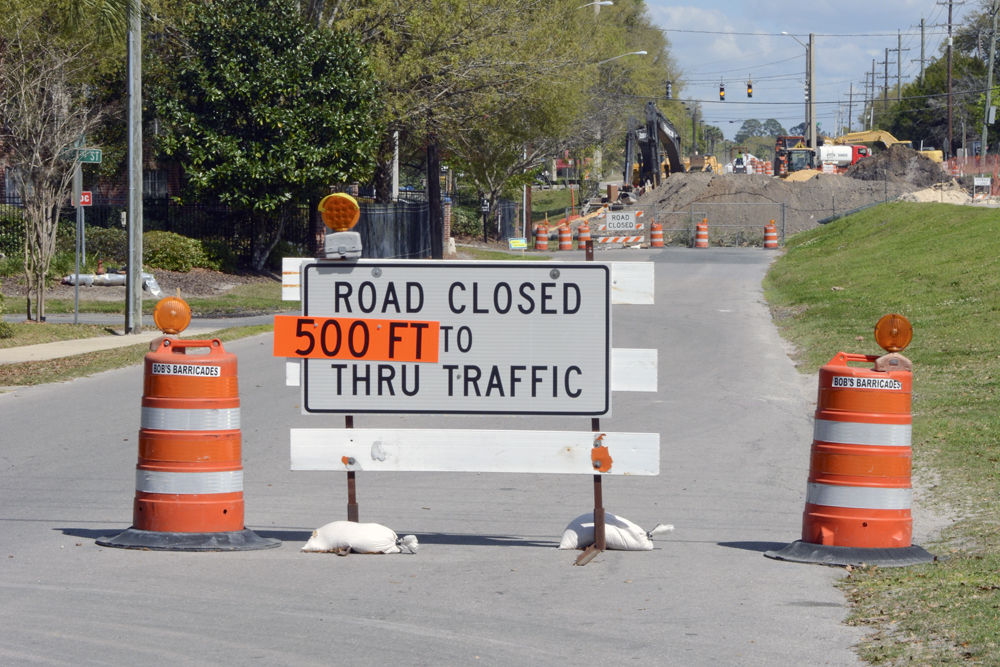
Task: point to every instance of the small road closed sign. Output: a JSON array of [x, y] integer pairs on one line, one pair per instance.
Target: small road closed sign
[[452, 337], [622, 221]]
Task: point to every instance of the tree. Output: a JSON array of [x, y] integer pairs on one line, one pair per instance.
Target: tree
[[43, 111], [750, 128], [262, 109], [772, 128]]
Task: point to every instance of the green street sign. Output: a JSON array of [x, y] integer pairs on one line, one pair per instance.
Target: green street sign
[[89, 155]]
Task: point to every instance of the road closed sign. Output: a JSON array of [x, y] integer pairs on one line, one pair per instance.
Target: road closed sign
[[622, 221], [452, 337]]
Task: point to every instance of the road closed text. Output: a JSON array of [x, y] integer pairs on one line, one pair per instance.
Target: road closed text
[[482, 338]]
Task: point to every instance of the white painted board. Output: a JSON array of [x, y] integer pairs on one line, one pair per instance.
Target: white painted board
[[457, 450]]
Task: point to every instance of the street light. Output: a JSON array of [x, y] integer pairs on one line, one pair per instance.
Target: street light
[[810, 84], [597, 5], [631, 53]]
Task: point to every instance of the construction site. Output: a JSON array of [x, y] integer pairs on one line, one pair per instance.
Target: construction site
[[799, 189]]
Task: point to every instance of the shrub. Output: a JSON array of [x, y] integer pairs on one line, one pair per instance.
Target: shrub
[[219, 255], [110, 245], [6, 331], [11, 231], [466, 222], [172, 252]]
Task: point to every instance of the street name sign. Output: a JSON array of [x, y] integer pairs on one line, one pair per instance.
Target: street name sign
[[518, 338]]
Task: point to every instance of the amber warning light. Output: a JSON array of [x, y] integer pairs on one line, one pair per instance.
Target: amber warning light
[[340, 211], [893, 332], [172, 315]]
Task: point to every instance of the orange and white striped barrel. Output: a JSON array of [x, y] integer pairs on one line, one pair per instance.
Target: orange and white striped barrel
[[655, 235], [541, 236], [701, 234], [859, 490], [769, 168], [565, 237], [189, 476], [582, 234], [770, 236]]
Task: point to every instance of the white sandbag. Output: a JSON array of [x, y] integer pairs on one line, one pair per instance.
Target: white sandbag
[[363, 538], [619, 533]]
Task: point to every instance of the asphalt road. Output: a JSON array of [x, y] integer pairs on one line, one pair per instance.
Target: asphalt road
[[488, 585]]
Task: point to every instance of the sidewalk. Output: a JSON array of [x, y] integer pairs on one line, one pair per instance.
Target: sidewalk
[[68, 348]]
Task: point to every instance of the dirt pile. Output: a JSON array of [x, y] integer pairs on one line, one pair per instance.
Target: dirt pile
[[899, 164], [747, 201]]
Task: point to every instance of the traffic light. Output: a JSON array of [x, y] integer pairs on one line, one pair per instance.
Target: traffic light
[[749, 88], [722, 92]]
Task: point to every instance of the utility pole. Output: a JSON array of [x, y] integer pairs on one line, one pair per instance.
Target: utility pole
[[948, 148], [850, 106], [899, 69], [871, 111], [811, 66], [133, 276], [989, 77], [921, 60], [885, 82]]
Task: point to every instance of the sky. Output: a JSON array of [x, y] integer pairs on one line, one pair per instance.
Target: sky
[[733, 42]]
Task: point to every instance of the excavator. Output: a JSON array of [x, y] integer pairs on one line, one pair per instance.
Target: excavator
[[653, 150], [883, 140]]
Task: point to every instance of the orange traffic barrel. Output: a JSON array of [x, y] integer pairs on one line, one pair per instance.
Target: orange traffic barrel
[[701, 234], [541, 236], [858, 493], [189, 476], [770, 236], [565, 237], [582, 234], [655, 235]]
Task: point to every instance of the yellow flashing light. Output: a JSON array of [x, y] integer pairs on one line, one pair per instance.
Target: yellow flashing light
[[340, 211], [172, 315], [893, 332]]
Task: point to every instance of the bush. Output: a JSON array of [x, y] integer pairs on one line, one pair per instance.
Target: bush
[[11, 231], [110, 245], [6, 331], [219, 255], [172, 252], [466, 222]]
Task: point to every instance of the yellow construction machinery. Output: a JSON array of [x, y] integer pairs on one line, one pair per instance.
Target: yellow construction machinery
[[882, 140]]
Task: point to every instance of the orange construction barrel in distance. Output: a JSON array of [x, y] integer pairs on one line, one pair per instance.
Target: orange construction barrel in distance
[[582, 234], [858, 493], [541, 236], [565, 237], [655, 235], [189, 476], [701, 234], [770, 236]]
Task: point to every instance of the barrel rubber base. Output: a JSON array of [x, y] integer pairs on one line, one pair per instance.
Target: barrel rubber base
[[238, 540], [805, 552]]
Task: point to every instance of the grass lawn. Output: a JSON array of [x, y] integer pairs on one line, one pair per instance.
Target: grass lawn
[[939, 265]]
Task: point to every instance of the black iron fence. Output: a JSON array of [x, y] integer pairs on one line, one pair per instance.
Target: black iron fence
[[397, 230]]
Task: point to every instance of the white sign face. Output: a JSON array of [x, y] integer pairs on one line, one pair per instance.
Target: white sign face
[[980, 181], [621, 221], [456, 337]]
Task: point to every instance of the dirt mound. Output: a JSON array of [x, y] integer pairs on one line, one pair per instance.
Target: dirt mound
[[740, 203], [899, 164], [945, 193], [751, 200]]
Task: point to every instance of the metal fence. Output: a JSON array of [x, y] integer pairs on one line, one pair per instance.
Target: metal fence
[[397, 230], [729, 224]]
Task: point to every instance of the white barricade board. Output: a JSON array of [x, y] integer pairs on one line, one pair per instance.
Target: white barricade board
[[462, 450]]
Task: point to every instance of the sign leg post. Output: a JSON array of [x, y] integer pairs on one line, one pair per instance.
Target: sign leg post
[[352, 498]]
